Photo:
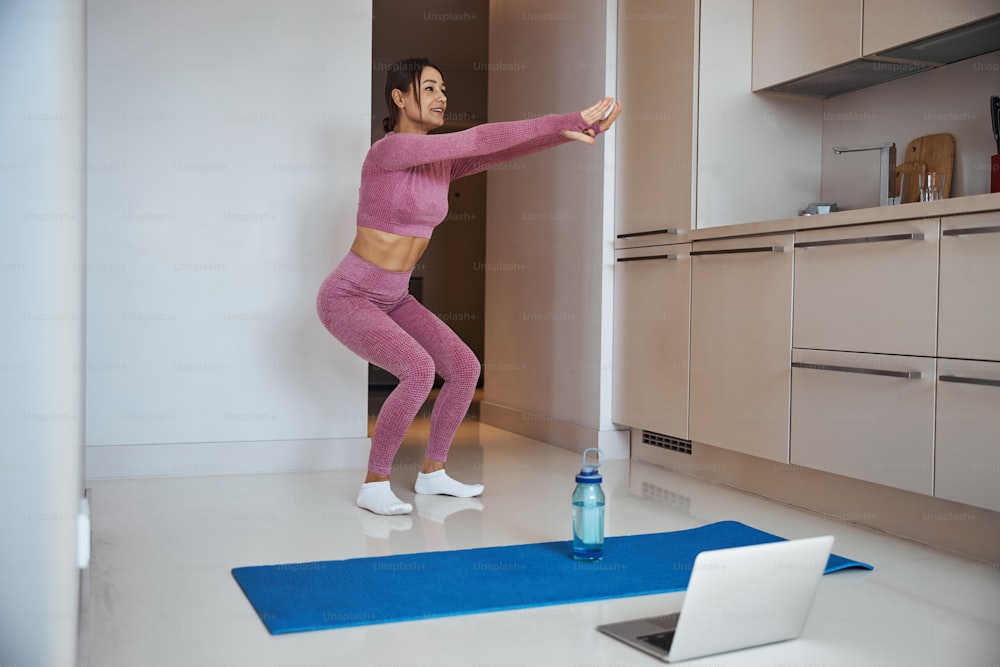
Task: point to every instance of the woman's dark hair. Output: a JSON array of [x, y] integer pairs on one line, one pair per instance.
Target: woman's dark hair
[[402, 75]]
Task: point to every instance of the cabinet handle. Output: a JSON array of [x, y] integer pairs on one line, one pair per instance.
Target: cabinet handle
[[632, 235], [967, 380], [993, 229], [733, 251], [644, 258], [914, 236], [912, 375]]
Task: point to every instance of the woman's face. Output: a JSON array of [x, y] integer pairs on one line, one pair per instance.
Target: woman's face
[[429, 114]]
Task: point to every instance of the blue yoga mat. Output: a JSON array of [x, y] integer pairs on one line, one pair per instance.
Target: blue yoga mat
[[360, 591]]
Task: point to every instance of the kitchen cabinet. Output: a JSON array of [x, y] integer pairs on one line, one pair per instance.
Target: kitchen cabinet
[[891, 23], [868, 350], [865, 323], [865, 416], [741, 317], [922, 295], [969, 326], [967, 456], [793, 38], [651, 335], [655, 140], [829, 47], [868, 288]]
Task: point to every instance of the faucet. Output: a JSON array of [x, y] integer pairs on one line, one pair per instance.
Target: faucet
[[887, 167]]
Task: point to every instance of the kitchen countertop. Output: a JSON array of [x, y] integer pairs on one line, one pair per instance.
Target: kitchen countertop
[[943, 207]]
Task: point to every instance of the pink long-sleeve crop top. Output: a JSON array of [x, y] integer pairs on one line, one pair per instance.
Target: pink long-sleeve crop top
[[405, 177]]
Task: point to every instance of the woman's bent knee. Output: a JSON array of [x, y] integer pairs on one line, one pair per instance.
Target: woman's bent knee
[[418, 372], [465, 368]]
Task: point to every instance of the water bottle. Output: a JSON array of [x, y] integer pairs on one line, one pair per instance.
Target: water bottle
[[588, 511]]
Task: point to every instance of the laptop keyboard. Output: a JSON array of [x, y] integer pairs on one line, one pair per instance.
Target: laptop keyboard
[[661, 640]]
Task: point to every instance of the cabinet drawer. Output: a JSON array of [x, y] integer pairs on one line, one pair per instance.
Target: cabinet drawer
[[740, 340], [969, 325], [967, 451], [870, 288], [652, 327], [865, 416]]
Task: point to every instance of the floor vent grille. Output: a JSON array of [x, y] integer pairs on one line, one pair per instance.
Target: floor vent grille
[[666, 442]]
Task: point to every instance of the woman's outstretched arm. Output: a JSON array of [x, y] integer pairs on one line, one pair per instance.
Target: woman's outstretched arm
[[597, 117], [404, 150]]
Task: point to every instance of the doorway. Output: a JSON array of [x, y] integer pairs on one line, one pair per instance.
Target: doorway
[[450, 278]]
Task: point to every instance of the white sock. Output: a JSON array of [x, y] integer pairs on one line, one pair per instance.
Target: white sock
[[439, 484], [377, 497]]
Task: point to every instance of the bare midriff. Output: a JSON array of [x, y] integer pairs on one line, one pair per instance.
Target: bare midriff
[[387, 250]]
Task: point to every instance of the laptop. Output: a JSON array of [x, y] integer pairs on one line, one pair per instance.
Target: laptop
[[736, 598]]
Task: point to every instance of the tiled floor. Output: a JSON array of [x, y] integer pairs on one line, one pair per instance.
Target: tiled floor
[[162, 593]]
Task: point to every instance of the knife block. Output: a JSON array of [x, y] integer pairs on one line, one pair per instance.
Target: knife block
[[995, 173]]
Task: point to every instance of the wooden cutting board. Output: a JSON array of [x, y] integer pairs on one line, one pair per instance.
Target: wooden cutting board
[[933, 152]]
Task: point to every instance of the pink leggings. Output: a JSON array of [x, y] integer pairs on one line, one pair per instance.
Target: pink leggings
[[370, 310]]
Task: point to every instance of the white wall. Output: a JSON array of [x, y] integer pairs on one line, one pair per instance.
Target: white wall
[[549, 231], [758, 155], [226, 141], [42, 150], [952, 99]]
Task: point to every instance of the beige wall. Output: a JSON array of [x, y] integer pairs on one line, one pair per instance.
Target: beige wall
[[550, 230], [953, 99], [758, 155]]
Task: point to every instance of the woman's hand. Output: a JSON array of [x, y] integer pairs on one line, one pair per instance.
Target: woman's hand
[[604, 113]]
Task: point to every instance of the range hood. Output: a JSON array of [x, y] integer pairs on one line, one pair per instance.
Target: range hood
[[967, 41]]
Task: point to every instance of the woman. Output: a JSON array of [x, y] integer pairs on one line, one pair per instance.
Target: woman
[[365, 302]]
